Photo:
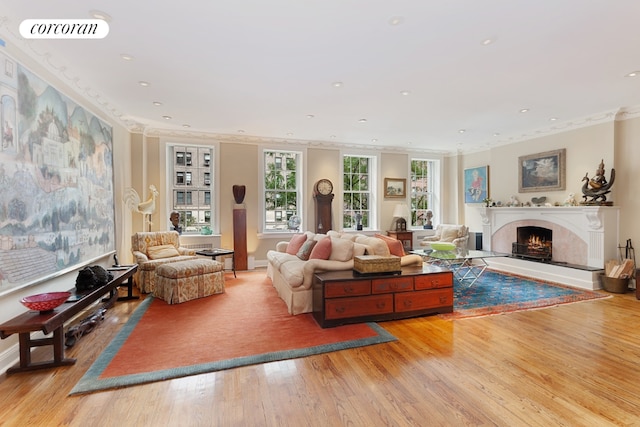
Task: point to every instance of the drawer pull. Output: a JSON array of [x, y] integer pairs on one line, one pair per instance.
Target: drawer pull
[[381, 305], [443, 299], [408, 303], [348, 289], [340, 309]]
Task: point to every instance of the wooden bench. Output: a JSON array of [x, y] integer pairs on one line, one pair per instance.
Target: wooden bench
[[53, 322]]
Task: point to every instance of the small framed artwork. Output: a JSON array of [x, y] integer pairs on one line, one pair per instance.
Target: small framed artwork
[[395, 187], [542, 171], [476, 184]]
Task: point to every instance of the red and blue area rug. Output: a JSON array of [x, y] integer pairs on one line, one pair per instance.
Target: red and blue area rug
[[498, 293]]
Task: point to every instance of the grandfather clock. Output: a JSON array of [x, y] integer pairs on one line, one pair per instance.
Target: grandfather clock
[[323, 196]]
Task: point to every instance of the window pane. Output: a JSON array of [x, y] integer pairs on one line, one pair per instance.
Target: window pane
[[356, 195], [421, 192], [281, 189]]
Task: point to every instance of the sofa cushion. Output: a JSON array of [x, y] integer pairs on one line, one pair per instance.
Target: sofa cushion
[[296, 243], [162, 251], [341, 249], [293, 272], [278, 258], [322, 250], [448, 234], [305, 250], [395, 245], [375, 246]]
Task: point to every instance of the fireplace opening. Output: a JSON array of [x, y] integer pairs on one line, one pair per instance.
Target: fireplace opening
[[533, 243]]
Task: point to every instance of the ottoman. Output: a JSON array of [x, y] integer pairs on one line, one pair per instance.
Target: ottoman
[[182, 281]]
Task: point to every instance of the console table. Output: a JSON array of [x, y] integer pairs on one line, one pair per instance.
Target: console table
[[53, 321], [341, 297]]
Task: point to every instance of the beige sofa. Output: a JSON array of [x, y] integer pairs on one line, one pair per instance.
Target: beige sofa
[[292, 277], [452, 233], [154, 248]]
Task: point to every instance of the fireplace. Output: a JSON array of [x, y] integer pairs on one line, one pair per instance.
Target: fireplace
[[533, 243]]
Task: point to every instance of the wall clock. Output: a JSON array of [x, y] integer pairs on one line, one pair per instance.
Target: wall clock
[[323, 196]]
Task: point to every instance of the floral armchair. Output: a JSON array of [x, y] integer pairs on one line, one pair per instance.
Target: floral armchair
[[154, 248], [452, 233]]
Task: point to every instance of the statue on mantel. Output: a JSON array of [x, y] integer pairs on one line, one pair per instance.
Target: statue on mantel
[[597, 187]]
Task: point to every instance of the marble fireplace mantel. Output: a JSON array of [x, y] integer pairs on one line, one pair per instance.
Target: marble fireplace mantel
[[583, 235]]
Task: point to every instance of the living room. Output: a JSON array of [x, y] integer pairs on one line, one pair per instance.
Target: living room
[[140, 160]]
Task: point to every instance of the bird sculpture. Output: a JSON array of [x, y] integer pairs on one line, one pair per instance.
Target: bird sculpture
[[597, 187], [132, 201]]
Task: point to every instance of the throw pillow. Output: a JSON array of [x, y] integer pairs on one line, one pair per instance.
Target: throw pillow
[[322, 250], [162, 251], [341, 249], [395, 245], [295, 243], [305, 249]]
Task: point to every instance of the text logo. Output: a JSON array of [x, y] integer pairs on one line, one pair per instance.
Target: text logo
[[64, 29]]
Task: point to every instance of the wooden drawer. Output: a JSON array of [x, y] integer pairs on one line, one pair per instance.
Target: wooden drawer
[[341, 308], [424, 299], [345, 289], [435, 280], [395, 284]]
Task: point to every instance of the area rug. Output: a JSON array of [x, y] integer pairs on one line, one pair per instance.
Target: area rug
[[498, 293], [248, 324]]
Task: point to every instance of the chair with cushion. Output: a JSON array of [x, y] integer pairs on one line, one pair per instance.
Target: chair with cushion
[[154, 248], [451, 233]]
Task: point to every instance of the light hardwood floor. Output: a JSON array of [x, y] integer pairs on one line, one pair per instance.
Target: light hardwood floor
[[572, 365]]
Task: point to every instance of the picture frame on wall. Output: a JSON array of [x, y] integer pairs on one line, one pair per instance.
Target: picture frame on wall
[[542, 171], [476, 184], [395, 187]]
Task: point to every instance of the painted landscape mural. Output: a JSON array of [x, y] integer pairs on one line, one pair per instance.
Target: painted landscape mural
[[56, 181]]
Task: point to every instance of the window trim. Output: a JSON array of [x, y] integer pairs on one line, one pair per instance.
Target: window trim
[[374, 184], [300, 189]]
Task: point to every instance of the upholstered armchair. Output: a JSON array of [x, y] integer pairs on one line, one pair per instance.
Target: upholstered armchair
[[154, 248], [452, 233]]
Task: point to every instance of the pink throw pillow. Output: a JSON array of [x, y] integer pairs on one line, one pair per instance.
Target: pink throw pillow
[[296, 243], [322, 250], [395, 246]]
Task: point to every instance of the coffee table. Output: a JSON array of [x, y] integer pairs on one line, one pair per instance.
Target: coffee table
[[464, 263], [214, 253]]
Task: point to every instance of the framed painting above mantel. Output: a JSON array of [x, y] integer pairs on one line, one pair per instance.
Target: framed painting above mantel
[[542, 171]]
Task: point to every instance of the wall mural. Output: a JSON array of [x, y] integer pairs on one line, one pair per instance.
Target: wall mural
[[56, 181]]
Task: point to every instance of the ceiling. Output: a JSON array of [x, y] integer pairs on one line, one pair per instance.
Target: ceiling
[[438, 75]]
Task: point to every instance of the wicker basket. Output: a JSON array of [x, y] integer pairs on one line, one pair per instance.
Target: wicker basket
[[376, 264], [614, 284]]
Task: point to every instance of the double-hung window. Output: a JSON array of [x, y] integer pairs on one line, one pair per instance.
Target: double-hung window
[[191, 185], [358, 173], [282, 190], [424, 190]]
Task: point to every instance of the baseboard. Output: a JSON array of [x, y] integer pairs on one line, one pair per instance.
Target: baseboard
[[9, 358], [584, 279]]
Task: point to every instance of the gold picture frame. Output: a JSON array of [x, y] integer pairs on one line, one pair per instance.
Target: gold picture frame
[[542, 171], [395, 187]]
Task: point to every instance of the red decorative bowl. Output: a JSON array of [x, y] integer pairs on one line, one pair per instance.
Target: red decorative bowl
[[45, 302]]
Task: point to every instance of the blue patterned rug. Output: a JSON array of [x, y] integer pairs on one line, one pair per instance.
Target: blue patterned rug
[[499, 293]]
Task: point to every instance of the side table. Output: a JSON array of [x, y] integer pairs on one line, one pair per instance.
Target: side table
[[406, 237], [214, 253]]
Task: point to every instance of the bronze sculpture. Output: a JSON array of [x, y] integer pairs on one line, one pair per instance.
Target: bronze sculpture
[[597, 187]]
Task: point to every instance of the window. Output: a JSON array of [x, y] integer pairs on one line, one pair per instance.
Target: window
[[358, 176], [423, 190], [282, 189], [194, 203]]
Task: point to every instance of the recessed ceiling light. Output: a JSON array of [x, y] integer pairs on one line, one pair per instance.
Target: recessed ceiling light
[[396, 20], [487, 42], [553, 119], [126, 57], [374, 140], [157, 103], [289, 134], [98, 14], [186, 125], [332, 136], [310, 116], [240, 130], [496, 134], [404, 92], [166, 117], [143, 83], [362, 121], [336, 84], [633, 74], [524, 110], [462, 131]]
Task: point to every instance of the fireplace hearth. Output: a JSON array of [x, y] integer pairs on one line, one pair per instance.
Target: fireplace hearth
[[533, 243]]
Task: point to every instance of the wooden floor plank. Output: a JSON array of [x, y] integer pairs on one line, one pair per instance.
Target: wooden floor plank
[[574, 365]]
